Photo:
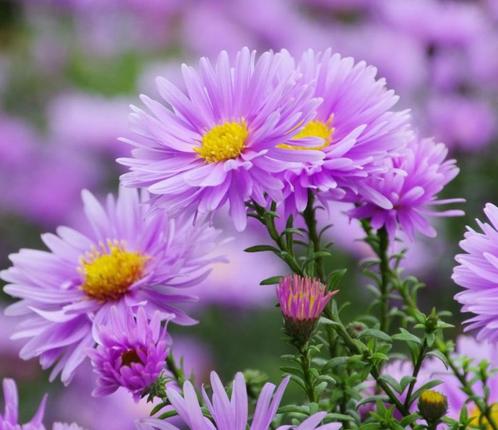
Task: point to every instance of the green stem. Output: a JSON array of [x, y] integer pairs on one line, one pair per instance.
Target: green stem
[[177, 371], [306, 367], [385, 274], [352, 346], [416, 370], [287, 252], [310, 220]]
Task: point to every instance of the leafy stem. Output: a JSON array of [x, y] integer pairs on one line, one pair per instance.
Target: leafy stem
[[416, 370], [385, 275], [284, 241], [483, 407], [357, 347], [176, 371], [304, 359]]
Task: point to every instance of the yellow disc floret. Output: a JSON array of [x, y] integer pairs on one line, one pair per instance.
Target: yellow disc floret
[[479, 421], [315, 128], [223, 142], [109, 271]]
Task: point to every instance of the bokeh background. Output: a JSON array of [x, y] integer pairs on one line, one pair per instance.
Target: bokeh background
[[70, 68]]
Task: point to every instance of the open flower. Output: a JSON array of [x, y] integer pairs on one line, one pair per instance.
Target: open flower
[[223, 140], [231, 413], [129, 258], [477, 273], [355, 126], [411, 184], [131, 353]]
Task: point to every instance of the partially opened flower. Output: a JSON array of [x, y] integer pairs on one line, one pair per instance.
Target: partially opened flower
[[355, 126], [131, 352], [477, 274], [411, 184], [302, 301], [9, 420], [130, 257], [232, 413], [220, 141]]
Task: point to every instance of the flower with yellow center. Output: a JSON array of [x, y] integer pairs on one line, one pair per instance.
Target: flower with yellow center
[[223, 142], [109, 272], [478, 420], [314, 128]]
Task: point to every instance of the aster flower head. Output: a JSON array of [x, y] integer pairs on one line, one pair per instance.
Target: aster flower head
[[354, 124], [232, 413], [129, 257], [477, 274], [411, 184], [302, 301], [9, 419], [131, 353], [224, 139]]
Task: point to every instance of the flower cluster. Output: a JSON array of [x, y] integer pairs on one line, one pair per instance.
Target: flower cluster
[[129, 258], [273, 129], [269, 137]]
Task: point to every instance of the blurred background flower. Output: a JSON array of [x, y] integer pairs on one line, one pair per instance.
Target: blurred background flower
[[70, 68]]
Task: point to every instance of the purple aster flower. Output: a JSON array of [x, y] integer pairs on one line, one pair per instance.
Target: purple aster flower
[[130, 257], [411, 184], [131, 352], [9, 420], [220, 142], [231, 413], [477, 274], [354, 124]]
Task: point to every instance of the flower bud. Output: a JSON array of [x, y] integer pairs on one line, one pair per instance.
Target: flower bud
[[302, 301], [432, 405]]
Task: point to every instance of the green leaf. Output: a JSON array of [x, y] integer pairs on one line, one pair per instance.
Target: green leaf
[[261, 248], [335, 278], [426, 386], [271, 281], [406, 336], [378, 334]]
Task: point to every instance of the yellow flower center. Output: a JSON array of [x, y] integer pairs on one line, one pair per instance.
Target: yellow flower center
[[432, 397], [109, 271], [315, 128], [478, 419], [223, 142]]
